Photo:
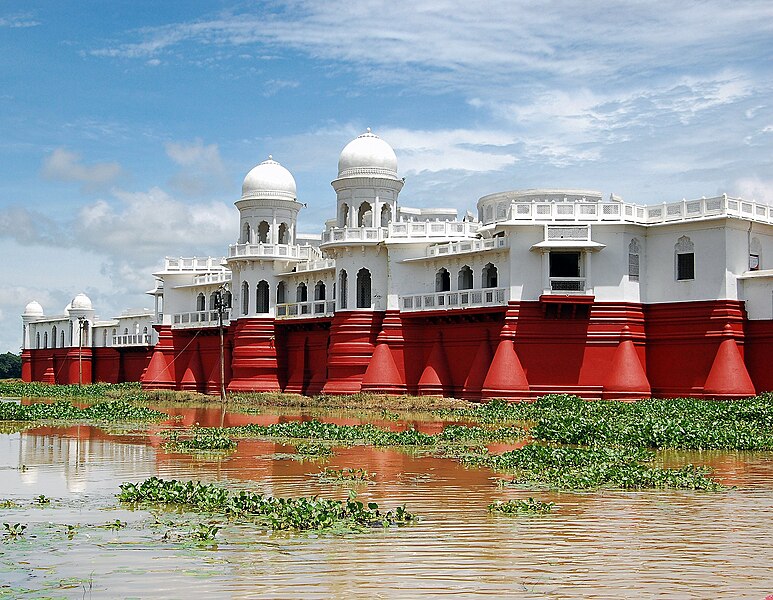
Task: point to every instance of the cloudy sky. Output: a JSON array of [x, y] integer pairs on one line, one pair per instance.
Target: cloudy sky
[[127, 127]]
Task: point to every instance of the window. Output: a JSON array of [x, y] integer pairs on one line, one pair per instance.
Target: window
[[365, 215], [284, 238], [343, 289], [633, 260], [45, 339], [442, 280], [564, 264], [281, 295], [319, 291], [363, 288], [386, 215], [684, 251], [61, 338], [245, 298], [301, 293], [755, 254], [213, 301], [246, 238], [343, 219], [53, 337], [104, 337], [145, 330], [261, 297], [37, 340], [200, 303], [465, 278], [263, 229], [489, 276]]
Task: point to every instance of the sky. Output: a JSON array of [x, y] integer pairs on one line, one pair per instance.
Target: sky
[[126, 127]]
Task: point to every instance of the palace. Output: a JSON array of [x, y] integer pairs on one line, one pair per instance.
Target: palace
[[544, 291]]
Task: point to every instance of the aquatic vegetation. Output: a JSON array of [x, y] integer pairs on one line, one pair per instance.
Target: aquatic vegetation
[[36, 389], [590, 468], [14, 531], [9, 504], [117, 524], [205, 531], [346, 475], [530, 506], [107, 411], [276, 513], [312, 449], [200, 439], [42, 500]]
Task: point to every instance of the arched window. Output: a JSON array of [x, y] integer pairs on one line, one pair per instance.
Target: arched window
[[245, 298], [145, 330], [284, 238], [37, 340], [442, 280], [263, 229], [489, 276], [104, 337], [684, 259], [126, 331], [319, 291], [301, 293], [755, 255], [343, 218], [365, 215], [53, 337], [386, 215], [85, 334], [247, 234], [465, 278], [200, 303], [45, 339], [281, 292], [363, 288], [72, 337], [61, 338], [342, 289], [261, 297], [213, 301], [633, 260]]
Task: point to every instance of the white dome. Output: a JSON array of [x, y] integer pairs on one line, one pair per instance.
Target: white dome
[[33, 309], [81, 302], [269, 180], [367, 154]]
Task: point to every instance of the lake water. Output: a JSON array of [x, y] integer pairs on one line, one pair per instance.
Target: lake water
[[605, 544]]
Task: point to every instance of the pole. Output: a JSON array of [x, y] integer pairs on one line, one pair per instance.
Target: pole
[[80, 351]]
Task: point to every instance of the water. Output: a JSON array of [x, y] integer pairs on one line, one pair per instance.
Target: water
[[604, 544]]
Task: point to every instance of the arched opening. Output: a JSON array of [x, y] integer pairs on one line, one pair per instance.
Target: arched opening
[[301, 293], [200, 303], [281, 293], [246, 237], [342, 282], [489, 276], [263, 229], [104, 337], [284, 231], [145, 330], [343, 215], [319, 291], [85, 334], [442, 280], [261, 297], [115, 333], [245, 298], [386, 215], [465, 278], [37, 340], [363, 288], [45, 339], [61, 339], [365, 215], [126, 331], [213, 301], [72, 337], [53, 337]]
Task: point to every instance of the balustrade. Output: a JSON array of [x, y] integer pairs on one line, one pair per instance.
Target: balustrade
[[311, 308], [454, 299]]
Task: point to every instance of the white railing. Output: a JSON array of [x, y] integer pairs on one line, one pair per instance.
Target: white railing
[[311, 308], [456, 299], [274, 251], [412, 230], [354, 234], [132, 339], [465, 246], [193, 264], [322, 264], [583, 211], [562, 285], [219, 277], [203, 318]]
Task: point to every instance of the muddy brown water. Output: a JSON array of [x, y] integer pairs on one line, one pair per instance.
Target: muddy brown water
[[603, 544]]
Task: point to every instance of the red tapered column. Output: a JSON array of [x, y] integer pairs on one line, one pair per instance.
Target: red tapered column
[[383, 376], [296, 365], [78, 361], [193, 376], [49, 376], [254, 365], [26, 365], [473, 384], [627, 379], [352, 337], [728, 377], [505, 377], [160, 373], [435, 380], [317, 362]]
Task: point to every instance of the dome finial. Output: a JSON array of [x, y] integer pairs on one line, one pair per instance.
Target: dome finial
[[270, 157], [367, 129]]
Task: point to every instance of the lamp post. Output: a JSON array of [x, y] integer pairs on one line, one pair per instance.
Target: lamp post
[[80, 349], [222, 303]]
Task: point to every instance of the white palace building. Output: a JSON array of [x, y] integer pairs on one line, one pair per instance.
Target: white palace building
[[545, 291]]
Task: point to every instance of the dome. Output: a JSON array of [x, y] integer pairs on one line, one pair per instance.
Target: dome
[[367, 154], [269, 180], [81, 302], [33, 309]]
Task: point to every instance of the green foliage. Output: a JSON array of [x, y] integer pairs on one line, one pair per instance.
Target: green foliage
[[10, 365], [42, 500], [117, 524], [201, 439], [589, 468], [204, 532], [8, 504], [36, 389], [107, 411], [14, 531], [276, 513], [353, 475], [312, 449], [529, 506]]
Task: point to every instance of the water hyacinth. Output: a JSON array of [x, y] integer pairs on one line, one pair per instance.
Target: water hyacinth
[[200, 439], [529, 506], [108, 411], [298, 514]]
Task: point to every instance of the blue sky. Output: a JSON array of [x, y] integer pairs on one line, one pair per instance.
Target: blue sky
[[127, 127]]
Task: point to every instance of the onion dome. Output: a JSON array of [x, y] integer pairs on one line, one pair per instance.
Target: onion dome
[[367, 154], [33, 309], [81, 302], [269, 180]]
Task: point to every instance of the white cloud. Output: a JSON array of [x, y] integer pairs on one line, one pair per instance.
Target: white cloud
[[19, 21], [755, 188], [272, 87], [64, 165], [202, 168]]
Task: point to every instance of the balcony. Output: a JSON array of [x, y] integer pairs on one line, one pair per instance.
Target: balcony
[[212, 278], [132, 339], [567, 285], [205, 318], [354, 234], [294, 252], [457, 299], [466, 246], [304, 310], [189, 265], [415, 230]]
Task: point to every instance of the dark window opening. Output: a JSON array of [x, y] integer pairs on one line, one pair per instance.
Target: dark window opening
[[685, 266], [564, 264]]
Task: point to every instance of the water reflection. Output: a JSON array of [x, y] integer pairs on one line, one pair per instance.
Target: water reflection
[[602, 544]]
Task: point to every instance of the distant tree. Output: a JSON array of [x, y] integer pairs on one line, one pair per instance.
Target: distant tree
[[10, 365]]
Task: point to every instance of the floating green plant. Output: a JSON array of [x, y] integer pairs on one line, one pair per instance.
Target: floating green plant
[[14, 531], [312, 449], [346, 475], [42, 500], [276, 513], [200, 439], [8, 504], [108, 411], [530, 506]]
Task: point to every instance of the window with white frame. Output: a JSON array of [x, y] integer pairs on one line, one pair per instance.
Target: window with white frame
[[684, 257]]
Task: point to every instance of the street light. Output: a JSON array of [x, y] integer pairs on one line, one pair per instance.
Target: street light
[[81, 320], [222, 303]]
